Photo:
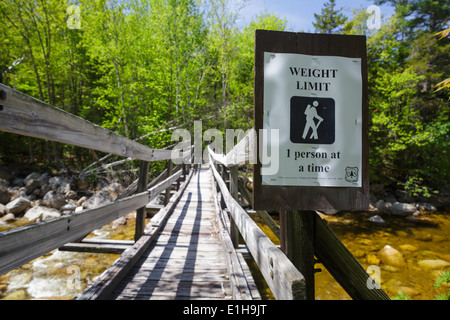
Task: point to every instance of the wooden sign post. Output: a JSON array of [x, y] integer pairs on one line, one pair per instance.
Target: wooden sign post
[[311, 119]]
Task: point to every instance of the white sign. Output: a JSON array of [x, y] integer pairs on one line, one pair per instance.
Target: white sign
[[315, 102]]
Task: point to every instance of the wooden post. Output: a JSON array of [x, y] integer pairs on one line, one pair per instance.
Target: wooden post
[[297, 242], [169, 173], [141, 187], [234, 231]]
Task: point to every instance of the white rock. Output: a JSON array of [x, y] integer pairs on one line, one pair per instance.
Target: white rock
[[18, 205], [376, 219], [40, 213], [403, 209]]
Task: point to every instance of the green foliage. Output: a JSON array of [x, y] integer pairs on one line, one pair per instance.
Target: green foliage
[[330, 20], [139, 67], [444, 277]]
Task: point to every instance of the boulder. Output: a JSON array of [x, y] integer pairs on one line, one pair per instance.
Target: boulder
[[5, 196], [433, 264], [71, 194], [113, 189], [54, 200], [3, 210], [32, 176], [31, 185], [391, 257], [403, 209], [376, 219], [427, 207], [8, 218], [41, 213], [18, 205], [97, 200], [383, 206]]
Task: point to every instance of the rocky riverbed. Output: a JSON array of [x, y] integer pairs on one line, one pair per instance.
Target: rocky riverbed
[[41, 196]]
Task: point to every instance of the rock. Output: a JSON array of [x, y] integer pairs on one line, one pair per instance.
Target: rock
[[383, 206], [44, 178], [71, 194], [31, 185], [54, 200], [427, 207], [8, 218], [18, 205], [122, 221], [408, 247], [3, 210], [18, 182], [32, 176], [113, 189], [391, 257], [97, 200], [403, 209], [68, 207], [81, 201], [16, 295], [376, 219], [5, 196], [40, 213], [423, 221], [64, 187], [433, 264]]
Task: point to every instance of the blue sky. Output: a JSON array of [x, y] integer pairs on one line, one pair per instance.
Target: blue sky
[[300, 13]]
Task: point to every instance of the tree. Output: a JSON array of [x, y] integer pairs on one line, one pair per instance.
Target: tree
[[330, 20]]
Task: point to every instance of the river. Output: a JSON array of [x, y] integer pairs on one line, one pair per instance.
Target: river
[[61, 275]]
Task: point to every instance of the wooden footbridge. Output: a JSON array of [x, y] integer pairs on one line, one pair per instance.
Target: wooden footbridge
[[194, 246]]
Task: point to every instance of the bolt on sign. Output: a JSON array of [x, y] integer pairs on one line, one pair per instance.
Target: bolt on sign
[[311, 102]]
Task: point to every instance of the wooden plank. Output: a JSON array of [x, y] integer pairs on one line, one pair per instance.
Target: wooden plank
[[341, 264], [188, 246], [285, 281], [104, 285], [240, 289], [28, 116], [97, 247]]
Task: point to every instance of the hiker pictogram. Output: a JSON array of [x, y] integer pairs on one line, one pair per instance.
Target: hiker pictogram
[[312, 120], [311, 115]]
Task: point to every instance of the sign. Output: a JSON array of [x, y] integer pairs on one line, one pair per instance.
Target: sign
[[311, 117], [316, 104]]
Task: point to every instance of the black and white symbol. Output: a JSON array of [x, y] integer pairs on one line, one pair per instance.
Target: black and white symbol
[[312, 120], [351, 174]]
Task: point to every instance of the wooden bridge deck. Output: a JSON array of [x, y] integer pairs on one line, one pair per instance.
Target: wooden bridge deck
[[187, 260]]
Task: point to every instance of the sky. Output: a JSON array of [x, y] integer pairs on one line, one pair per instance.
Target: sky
[[300, 13]]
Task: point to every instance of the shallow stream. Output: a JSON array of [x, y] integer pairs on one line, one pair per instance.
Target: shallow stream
[[61, 275]]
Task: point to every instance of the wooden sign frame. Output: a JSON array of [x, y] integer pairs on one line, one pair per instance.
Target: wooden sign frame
[[274, 197]]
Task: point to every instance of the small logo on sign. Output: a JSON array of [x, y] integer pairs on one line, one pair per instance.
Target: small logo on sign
[[351, 174]]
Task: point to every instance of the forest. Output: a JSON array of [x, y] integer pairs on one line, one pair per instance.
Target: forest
[[144, 67]]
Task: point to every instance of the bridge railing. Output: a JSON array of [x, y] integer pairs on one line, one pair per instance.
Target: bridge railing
[[25, 115], [281, 275], [284, 280]]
